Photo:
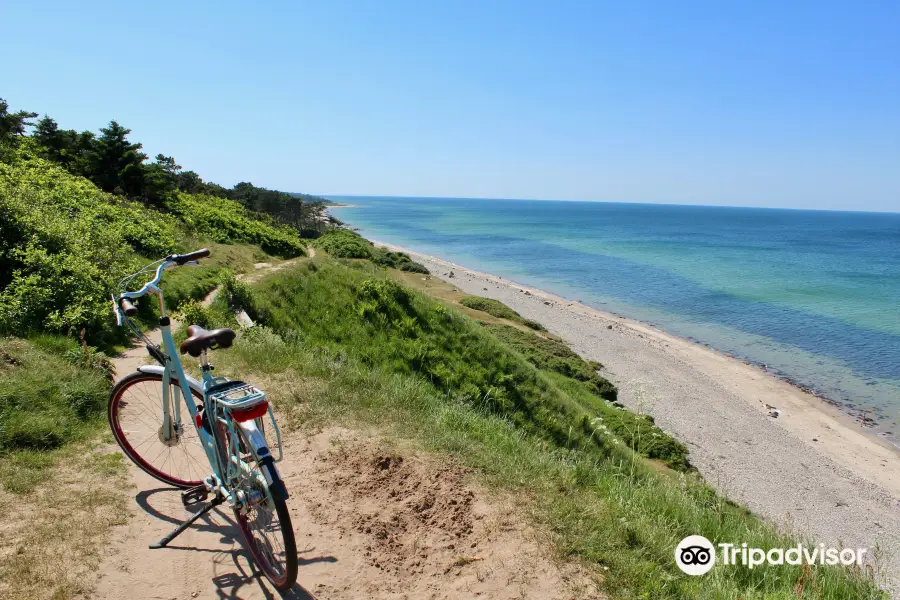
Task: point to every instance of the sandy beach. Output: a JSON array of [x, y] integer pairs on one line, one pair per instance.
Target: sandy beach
[[811, 469]]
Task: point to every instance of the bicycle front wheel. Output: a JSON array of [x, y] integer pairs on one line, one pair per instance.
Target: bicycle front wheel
[[174, 456]]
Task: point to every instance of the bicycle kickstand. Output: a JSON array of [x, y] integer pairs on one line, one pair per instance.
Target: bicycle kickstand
[[180, 529]]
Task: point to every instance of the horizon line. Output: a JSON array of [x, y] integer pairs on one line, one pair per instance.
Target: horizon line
[[834, 210]]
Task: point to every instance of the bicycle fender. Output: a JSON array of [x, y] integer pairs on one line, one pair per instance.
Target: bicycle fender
[[270, 472], [158, 370]]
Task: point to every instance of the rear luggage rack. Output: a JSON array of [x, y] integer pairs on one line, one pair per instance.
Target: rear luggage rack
[[236, 395]]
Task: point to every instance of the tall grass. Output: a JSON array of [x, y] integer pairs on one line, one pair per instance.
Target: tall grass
[[52, 392], [498, 309]]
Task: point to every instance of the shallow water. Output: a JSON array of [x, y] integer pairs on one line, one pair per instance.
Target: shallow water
[[811, 294]]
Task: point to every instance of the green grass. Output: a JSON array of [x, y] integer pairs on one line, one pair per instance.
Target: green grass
[[553, 355], [49, 397], [498, 309], [344, 345], [194, 283], [361, 313]]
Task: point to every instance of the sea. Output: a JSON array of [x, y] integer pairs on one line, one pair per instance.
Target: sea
[[812, 295]]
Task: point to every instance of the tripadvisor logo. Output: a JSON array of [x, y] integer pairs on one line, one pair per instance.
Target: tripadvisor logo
[[696, 555]]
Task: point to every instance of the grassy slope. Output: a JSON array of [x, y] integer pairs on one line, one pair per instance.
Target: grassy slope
[[344, 342], [63, 246]]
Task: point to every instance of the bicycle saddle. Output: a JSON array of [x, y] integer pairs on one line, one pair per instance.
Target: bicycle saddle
[[200, 339]]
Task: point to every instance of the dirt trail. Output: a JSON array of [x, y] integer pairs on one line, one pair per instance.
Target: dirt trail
[[261, 269], [370, 522]]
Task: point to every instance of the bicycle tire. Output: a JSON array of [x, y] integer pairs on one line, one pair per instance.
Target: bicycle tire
[[193, 460], [281, 576]]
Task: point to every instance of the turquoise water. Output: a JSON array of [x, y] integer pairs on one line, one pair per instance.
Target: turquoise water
[[811, 294]]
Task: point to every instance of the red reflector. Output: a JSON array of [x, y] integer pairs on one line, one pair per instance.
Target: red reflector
[[198, 419], [248, 414]]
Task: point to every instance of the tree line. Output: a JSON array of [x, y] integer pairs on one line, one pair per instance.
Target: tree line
[[119, 166]]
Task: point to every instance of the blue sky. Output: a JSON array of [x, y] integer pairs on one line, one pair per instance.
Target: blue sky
[[788, 104]]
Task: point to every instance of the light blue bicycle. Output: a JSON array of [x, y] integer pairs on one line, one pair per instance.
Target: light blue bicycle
[[177, 428]]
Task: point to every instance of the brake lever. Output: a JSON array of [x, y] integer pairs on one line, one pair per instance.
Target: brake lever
[[192, 263]]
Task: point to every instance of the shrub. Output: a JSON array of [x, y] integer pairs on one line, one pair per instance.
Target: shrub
[[226, 221], [343, 243], [397, 260], [63, 245], [237, 295], [194, 312]]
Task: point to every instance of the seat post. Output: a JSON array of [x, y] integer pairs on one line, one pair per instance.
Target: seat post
[[204, 361]]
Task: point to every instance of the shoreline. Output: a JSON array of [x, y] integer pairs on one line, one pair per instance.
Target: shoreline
[[791, 456]]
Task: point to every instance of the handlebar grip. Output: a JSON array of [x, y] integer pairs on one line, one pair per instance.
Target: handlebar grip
[[127, 307], [195, 255]]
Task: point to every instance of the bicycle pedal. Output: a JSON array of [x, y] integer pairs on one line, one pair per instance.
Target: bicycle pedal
[[194, 495]]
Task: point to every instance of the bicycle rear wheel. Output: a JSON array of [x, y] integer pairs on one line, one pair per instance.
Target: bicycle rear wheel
[[135, 417], [264, 521]]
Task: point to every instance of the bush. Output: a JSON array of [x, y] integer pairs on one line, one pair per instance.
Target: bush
[[397, 260], [40, 411], [63, 245], [497, 309], [226, 221], [343, 243], [237, 295]]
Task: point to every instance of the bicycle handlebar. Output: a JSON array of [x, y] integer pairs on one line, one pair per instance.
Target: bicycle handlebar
[[180, 259], [123, 302]]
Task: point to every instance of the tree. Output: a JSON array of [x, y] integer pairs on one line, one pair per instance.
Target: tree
[[116, 164], [169, 167], [13, 124], [160, 178], [189, 181], [54, 143], [84, 153]]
